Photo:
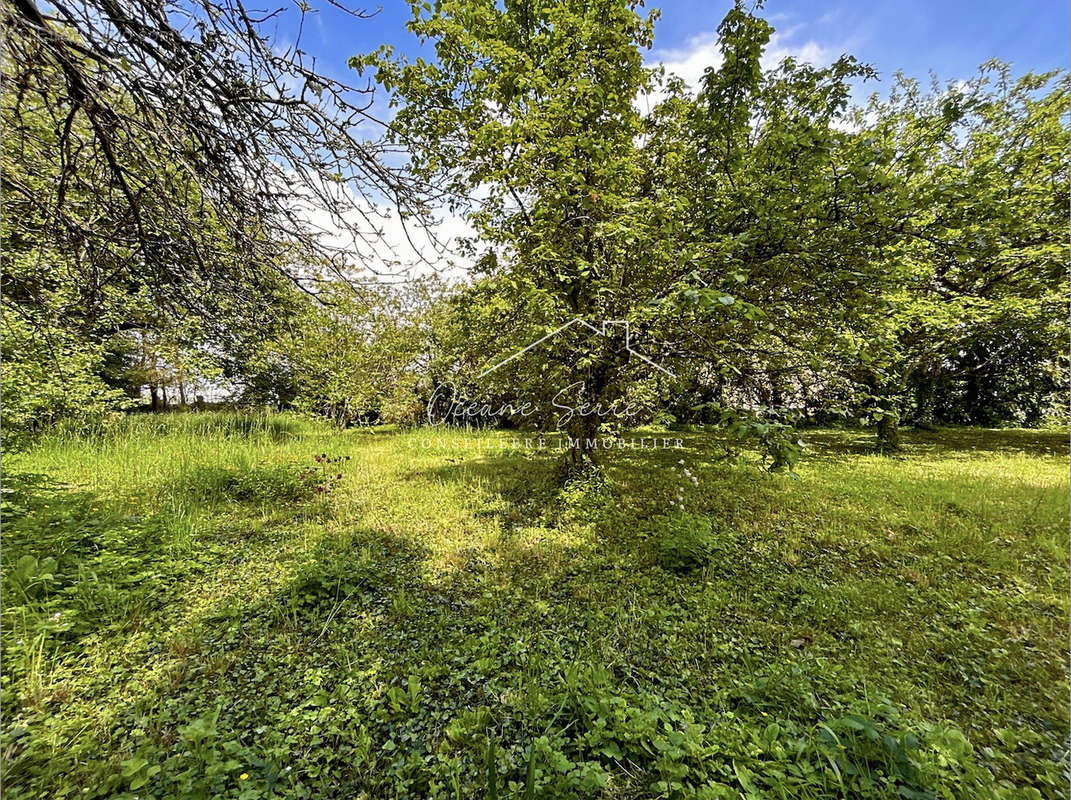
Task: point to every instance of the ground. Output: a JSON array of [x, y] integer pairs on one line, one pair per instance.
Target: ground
[[224, 605]]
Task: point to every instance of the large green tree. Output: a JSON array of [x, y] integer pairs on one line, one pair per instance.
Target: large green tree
[[979, 319], [736, 228], [788, 211], [529, 106]]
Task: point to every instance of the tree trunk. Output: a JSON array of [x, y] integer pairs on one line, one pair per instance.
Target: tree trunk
[[889, 425], [889, 429], [777, 395], [581, 457], [924, 403], [154, 397]]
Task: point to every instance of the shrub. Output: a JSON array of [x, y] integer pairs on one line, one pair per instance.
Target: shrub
[[51, 378]]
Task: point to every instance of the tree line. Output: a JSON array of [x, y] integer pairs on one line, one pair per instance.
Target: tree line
[[783, 255]]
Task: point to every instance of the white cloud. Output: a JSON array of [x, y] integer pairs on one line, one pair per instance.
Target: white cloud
[[377, 243], [810, 52], [701, 51], [689, 62]]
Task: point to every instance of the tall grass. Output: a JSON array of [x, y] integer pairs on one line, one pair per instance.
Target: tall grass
[[198, 573]]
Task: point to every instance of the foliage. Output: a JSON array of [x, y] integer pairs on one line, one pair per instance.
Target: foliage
[[182, 618], [977, 321], [186, 147], [85, 329], [788, 210], [743, 233], [161, 172], [534, 105], [687, 542], [353, 356], [752, 250], [50, 376]]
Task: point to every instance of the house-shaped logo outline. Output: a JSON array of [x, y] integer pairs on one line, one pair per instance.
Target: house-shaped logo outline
[[598, 331]]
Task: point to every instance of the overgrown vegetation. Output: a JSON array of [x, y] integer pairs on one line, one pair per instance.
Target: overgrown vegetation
[[185, 615], [771, 250], [376, 585]]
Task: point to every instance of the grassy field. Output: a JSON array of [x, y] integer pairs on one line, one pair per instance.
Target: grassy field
[[219, 605]]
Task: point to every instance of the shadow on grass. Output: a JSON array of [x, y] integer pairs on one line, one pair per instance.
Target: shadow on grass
[[1029, 442], [950, 440], [74, 563], [109, 640]]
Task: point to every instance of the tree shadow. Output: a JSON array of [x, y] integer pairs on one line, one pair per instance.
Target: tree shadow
[[942, 440], [1029, 442]]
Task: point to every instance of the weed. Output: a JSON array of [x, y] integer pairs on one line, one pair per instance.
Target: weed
[[686, 542]]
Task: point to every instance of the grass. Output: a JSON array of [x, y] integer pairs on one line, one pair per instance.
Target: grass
[[224, 605]]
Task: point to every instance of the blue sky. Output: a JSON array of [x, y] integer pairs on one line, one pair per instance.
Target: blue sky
[[951, 37]]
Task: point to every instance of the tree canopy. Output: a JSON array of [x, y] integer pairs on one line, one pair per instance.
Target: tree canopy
[[759, 251]]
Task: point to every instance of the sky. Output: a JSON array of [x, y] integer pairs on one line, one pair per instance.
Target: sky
[[949, 37]]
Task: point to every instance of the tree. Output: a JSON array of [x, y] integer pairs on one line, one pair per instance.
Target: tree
[[51, 377], [206, 146], [789, 210], [354, 358], [101, 301], [532, 103], [171, 166], [978, 322], [735, 229]]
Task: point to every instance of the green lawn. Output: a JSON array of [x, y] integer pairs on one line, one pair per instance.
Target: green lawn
[[187, 615]]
